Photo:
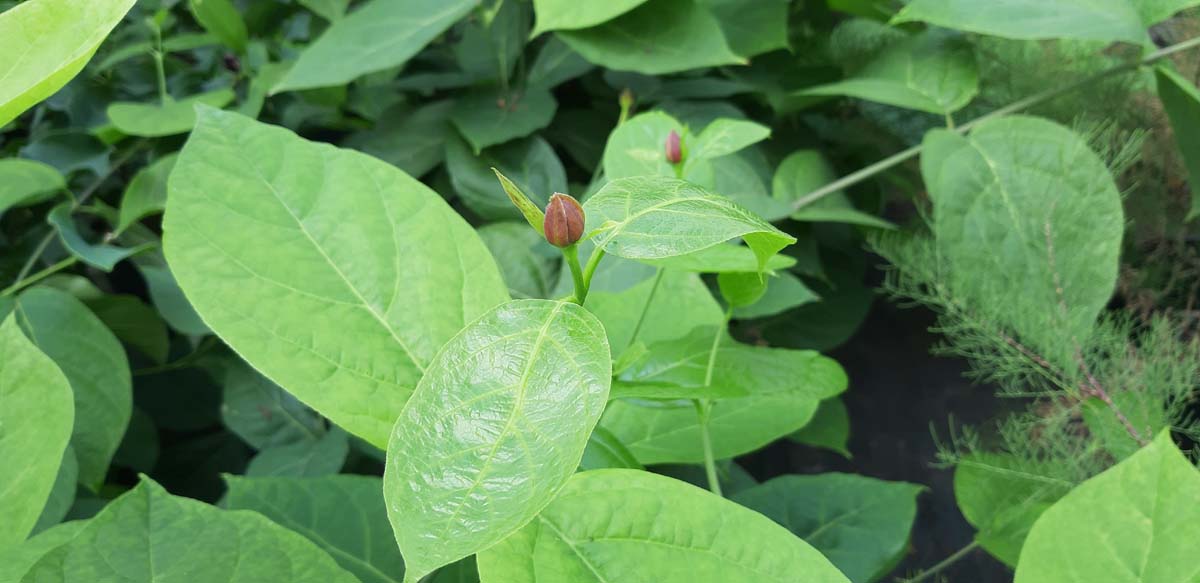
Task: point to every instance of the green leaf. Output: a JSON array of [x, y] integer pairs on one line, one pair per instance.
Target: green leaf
[[752, 27], [803, 172], [1103, 20], [412, 140], [652, 217], [62, 494], [486, 117], [168, 299], [637, 147], [530, 267], [726, 136], [673, 392], [94, 362], [99, 255], [1181, 99], [379, 35], [932, 72], [258, 217], [567, 15], [149, 535], [556, 63], [784, 292], [27, 182], [36, 416], [604, 450], [721, 259], [261, 413], [658, 37], [860, 524], [784, 388], [491, 44], [638, 527], [16, 560], [344, 515], [222, 20], [829, 428], [133, 323], [680, 304], [497, 425], [530, 164], [146, 193], [323, 456], [331, 10], [45, 43], [741, 289], [154, 120], [1136, 522], [1028, 225], [463, 571]]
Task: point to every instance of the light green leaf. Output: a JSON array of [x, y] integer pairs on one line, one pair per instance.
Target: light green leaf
[[931, 72], [860, 524], [497, 425], [1103, 20], [344, 515], [1135, 523], [153, 120], [99, 255], [803, 172], [95, 364], [36, 416], [486, 117], [829, 428], [637, 527], [721, 259], [323, 456], [530, 163], [637, 147], [412, 140], [16, 560], [741, 289], [530, 267], [752, 27], [262, 414], [726, 136], [295, 253], [331, 10], [567, 15], [26, 182], [1181, 99], [784, 292], [604, 450], [379, 35], [681, 303], [658, 37], [221, 19], [672, 392], [62, 494], [45, 43], [1028, 225], [146, 193], [149, 535], [652, 217]]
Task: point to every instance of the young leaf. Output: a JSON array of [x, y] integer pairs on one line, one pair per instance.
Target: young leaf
[[155, 120], [1136, 522], [741, 289], [316, 241], [1181, 99], [221, 19], [378, 35], [652, 217], [344, 515], [860, 524], [638, 527], [149, 535], [726, 136], [497, 425], [530, 163], [1104, 20], [100, 255], [486, 117], [36, 416], [784, 292], [45, 43], [829, 428], [568, 15], [637, 147], [26, 182]]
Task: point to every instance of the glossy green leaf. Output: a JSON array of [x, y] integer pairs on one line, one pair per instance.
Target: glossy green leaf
[[221, 19], [1135, 523], [638, 527], [530, 164], [322, 456], [721, 259], [1025, 211], [931, 72], [95, 364], [530, 267], [652, 217], [726, 136], [45, 43], [36, 416], [1103, 20], [784, 292], [658, 37], [295, 254], [344, 515], [486, 116], [860, 524], [828, 429], [378, 35], [100, 255], [567, 15], [680, 304], [803, 172], [413, 140], [153, 120], [497, 425], [26, 182], [1181, 99], [146, 193], [261, 413], [149, 535], [604, 450]]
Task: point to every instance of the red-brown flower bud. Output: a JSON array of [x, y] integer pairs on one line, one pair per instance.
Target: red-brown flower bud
[[674, 148], [564, 220]]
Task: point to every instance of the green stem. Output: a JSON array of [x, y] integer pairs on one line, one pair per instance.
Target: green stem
[[571, 254], [159, 68], [590, 270], [47, 272], [703, 408], [944, 564], [658, 275], [1019, 105]]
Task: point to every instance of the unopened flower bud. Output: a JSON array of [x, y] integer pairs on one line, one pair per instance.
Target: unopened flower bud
[[674, 148], [626, 99], [564, 220]]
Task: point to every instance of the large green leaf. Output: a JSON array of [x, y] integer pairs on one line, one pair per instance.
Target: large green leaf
[[378, 35], [154, 120], [344, 515], [412, 140], [497, 425], [666, 310], [637, 527], [752, 27], [303, 258], [1028, 225], [860, 524], [45, 43], [95, 364], [568, 15], [148, 535], [931, 72], [652, 217], [487, 117], [26, 182], [261, 413], [1181, 99], [35, 426], [1138, 522], [658, 37]]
